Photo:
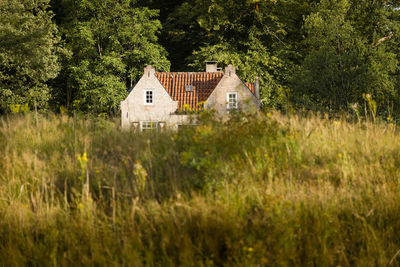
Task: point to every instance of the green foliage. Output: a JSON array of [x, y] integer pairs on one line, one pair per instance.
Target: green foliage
[[110, 42], [207, 148], [325, 53], [342, 63], [29, 49], [260, 38], [318, 55]]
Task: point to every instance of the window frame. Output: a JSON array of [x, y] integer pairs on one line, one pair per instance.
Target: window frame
[[152, 97], [154, 125], [228, 103]]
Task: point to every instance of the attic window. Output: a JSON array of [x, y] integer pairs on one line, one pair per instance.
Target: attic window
[[148, 97], [189, 88]]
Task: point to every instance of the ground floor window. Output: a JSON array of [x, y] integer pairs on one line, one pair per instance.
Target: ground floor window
[[148, 126]]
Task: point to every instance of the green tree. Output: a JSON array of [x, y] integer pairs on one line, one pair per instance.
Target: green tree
[[379, 23], [29, 46], [341, 63], [260, 37], [111, 41]]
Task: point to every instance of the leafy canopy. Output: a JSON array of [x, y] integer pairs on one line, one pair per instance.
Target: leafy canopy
[[29, 49], [110, 42], [344, 60]]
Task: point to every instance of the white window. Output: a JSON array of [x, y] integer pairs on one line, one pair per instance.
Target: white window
[[148, 97], [148, 126], [232, 100]]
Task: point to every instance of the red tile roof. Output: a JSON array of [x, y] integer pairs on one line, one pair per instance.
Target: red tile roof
[[251, 87], [204, 84]]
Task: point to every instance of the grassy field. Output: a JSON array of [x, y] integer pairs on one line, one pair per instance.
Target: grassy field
[[270, 190]]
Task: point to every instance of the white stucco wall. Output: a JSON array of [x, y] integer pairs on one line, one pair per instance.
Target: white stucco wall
[[134, 109], [230, 82]]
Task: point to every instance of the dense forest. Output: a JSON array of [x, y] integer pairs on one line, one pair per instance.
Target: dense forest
[[328, 55]]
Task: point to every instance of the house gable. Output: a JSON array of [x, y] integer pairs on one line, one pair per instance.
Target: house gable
[[134, 108], [231, 83]]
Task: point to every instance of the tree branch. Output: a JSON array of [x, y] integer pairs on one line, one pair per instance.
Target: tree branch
[[383, 39]]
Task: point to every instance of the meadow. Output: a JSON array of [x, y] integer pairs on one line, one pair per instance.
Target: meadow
[[265, 190]]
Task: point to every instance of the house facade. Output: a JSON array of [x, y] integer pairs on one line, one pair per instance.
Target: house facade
[[164, 99]]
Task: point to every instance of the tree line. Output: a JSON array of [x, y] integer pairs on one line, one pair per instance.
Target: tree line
[[320, 55]]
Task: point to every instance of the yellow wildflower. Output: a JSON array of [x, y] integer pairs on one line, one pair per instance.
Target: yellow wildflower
[[83, 158], [63, 110]]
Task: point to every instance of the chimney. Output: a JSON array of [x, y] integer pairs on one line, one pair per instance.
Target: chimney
[[257, 87], [149, 71], [230, 70], [211, 66]]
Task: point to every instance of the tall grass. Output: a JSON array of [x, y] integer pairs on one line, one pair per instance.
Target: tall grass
[[255, 191]]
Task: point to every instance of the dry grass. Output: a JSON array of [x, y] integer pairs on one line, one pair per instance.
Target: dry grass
[[270, 190]]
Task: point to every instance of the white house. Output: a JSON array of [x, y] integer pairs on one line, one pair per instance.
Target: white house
[[163, 99]]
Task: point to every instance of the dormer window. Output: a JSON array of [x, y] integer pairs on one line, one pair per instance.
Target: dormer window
[[148, 97], [232, 100], [189, 88]]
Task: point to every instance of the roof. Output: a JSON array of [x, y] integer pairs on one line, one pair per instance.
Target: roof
[[252, 88], [204, 84]]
